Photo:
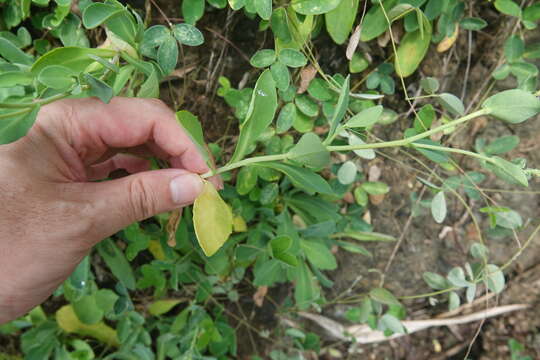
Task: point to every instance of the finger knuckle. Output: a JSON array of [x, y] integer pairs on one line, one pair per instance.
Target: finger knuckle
[[142, 200]]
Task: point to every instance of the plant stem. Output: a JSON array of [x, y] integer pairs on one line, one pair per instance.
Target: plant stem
[[411, 139], [16, 113], [452, 150], [395, 143], [34, 103], [235, 165]]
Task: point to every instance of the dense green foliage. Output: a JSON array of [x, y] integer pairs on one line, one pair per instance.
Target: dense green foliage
[[163, 300]]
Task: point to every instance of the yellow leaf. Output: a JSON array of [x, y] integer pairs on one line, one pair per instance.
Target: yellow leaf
[[162, 306], [447, 42], [156, 249], [239, 224], [412, 49], [67, 320], [212, 219]]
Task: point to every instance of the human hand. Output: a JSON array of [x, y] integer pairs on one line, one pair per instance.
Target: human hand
[[52, 214]]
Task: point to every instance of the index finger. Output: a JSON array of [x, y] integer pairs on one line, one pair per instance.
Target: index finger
[[96, 127]]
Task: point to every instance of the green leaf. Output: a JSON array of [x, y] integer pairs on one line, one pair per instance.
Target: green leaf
[[438, 207], [456, 277], [264, 8], [508, 7], [339, 22], [306, 290], [392, 323], [424, 118], [280, 244], [310, 151], [300, 177], [508, 171], [375, 187], [188, 35], [361, 196], [281, 75], [167, 55], [13, 54], [74, 58], [87, 310], [473, 23], [306, 105], [429, 85], [358, 63], [512, 106], [375, 23], [354, 248], [479, 251], [269, 194], [341, 108], [495, 278], [502, 145], [365, 118], [314, 7], [192, 10], [267, 273], [161, 307], [318, 89], [57, 77], [453, 301], [13, 78], [280, 25], [117, 263], [153, 37], [246, 180], [13, 128], [347, 173], [236, 4], [514, 47], [286, 118], [509, 219], [451, 103], [435, 281], [261, 112], [368, 154], [99, 89], [97, 13], [318, 254], [263, 58], [412, 49], [383, 296], [150, 88], [292, 58]]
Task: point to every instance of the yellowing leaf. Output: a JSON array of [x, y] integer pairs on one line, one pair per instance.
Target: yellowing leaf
[[67, 320], [448, 41], [162, 306], [239, 224], [412, 49], [155, 248], [212, 219]]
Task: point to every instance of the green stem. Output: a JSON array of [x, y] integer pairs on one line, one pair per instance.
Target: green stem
[[16, 113], [411, 139], [451, 150], [34, 103], [235, 165], [386, 144]]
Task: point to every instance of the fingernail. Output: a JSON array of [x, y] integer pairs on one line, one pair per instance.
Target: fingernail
[[186, 188]]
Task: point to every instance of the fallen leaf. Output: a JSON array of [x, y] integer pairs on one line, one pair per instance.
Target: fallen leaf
[[354, 40], [259, 295], [306, 75], [448, 41]]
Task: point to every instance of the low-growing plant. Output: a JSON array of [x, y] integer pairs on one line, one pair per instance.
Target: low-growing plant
[[278, 219]]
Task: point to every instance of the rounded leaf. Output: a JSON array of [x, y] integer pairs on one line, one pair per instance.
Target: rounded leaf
[[263, 58], [188, 34], [292, 58], [212, 219]]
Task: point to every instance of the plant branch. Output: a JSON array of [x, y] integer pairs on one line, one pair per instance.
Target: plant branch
[[34, 103]]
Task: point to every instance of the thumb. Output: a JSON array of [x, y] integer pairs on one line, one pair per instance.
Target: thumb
[[118, 203]]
